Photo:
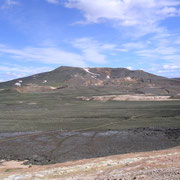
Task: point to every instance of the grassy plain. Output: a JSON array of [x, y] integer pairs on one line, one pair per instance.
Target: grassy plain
[[53, 111]]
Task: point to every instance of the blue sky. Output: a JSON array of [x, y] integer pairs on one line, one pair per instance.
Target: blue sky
[[40, 35]]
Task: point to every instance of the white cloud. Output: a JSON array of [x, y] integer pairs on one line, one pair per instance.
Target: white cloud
[[23, 69], [144, 15], [175, 59], [92, 50], [45, 55], [167, 53], [177, 41], [89, 51], [9, 72], [171, 67], [108, 47], [9, 3], [53, 1], [92, 55], [167, 70], [2, 80], [157, 51], [160, 47], [134, 45]]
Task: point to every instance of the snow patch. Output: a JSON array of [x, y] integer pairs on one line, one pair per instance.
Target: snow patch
[[18, 84], [128, 78], [45, 81], [87, 70]]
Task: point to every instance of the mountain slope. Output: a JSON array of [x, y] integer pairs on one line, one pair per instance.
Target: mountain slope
[[121, 79], [178, 79]]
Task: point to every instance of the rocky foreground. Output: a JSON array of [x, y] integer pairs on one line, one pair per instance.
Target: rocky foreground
[[156, 165]]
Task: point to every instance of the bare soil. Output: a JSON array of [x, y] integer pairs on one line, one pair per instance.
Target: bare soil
[[32, 88], [156, 165], [128, 98]]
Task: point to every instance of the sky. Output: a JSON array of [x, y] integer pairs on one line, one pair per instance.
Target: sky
[[41, 35]]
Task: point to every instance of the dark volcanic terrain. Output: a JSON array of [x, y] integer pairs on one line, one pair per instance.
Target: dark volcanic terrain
[[58, 147]]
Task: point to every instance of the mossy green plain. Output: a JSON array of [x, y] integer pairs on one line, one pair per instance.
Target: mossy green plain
[[56, 111]]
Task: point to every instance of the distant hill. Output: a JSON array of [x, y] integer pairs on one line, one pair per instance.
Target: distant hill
[[102, 80]]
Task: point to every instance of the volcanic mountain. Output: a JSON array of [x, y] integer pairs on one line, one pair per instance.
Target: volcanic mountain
[[100, 80]]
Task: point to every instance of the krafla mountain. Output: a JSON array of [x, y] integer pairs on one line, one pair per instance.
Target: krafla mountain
[[97, 80]]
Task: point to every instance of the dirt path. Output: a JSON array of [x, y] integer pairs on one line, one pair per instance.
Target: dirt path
[[75, 130], [156, 165]]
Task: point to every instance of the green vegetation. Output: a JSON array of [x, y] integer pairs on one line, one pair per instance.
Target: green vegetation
[[53, 111]]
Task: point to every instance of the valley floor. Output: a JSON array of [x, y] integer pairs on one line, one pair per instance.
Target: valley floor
[[52, 128]]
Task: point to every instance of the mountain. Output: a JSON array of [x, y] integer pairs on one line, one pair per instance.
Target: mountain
[[101, 80]]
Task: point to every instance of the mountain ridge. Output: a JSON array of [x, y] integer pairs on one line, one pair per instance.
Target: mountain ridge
[[121, 79], [77, 68]]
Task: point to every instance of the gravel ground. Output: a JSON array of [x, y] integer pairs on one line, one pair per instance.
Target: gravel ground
[[155, 165]]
